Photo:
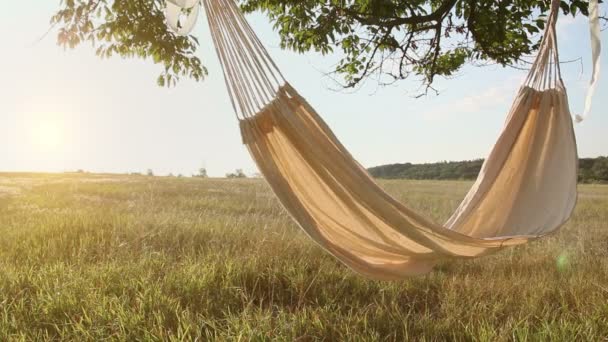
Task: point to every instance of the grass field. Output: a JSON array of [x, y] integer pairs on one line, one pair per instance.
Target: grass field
[[92, 257]]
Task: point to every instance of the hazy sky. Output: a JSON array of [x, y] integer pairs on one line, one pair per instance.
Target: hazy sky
[[67, 110]]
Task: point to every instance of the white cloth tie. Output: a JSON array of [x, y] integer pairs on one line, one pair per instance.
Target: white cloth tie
[[596, 48], [173, 13]]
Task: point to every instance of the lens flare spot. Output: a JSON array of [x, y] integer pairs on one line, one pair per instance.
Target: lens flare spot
[[48, 135], [563, 262]]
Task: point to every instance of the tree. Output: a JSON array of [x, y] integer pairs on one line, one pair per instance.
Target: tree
[[237, 174], [202, 173], [388, 39], [600, 169], [150, 173], [129, 29], [590, 170]]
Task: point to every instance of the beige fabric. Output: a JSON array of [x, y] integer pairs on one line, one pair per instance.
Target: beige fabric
[[336, 202], [528, 183], [527, 187]]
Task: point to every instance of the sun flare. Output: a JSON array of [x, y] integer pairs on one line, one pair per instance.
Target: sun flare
[[48, 134]]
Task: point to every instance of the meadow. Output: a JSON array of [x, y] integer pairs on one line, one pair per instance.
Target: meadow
[[107, 257]]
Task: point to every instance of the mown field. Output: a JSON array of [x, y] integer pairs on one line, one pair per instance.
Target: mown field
[[93, 257]]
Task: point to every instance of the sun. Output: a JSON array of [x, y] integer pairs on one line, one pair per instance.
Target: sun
[[48, 134]]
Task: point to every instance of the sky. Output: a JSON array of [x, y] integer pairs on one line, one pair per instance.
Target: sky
[[68, 110]]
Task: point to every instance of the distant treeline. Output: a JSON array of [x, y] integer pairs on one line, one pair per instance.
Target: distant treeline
[[592, 170]]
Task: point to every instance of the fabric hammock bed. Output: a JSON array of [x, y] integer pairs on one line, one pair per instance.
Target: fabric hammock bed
[[527, 187]]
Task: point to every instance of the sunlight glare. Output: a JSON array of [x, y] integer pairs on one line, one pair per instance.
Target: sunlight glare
[[563, 262], [48, 134]]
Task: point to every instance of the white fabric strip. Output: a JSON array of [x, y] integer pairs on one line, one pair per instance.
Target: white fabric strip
[[184, 3], [173, 12], [596, 48]]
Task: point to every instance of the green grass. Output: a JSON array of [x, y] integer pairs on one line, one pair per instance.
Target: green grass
[[92, 257]]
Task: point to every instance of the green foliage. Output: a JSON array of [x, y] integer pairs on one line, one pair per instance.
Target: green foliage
[[202, 173], [390, 39], [466, 170], [591, 170], [394, 39], [130, 29], [87, 257], [237, 174]]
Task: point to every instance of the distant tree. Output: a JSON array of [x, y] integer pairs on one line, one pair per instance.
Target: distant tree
[[170, 175], [590, 170], [237, 174], [180, 176], [600, 169], [202, 173], [150, 173]]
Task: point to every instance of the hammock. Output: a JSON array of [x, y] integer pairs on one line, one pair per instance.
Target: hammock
[[526, 188]]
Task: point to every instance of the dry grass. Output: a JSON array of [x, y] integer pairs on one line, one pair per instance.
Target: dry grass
[[85, 257]]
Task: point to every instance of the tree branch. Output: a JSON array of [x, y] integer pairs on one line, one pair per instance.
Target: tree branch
[[438, 14]]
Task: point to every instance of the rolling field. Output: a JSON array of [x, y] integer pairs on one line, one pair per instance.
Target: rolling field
[[94, 257]]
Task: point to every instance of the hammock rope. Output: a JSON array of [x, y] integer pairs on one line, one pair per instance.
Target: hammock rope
[[252, 77], [526, 188], [545, 72]]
